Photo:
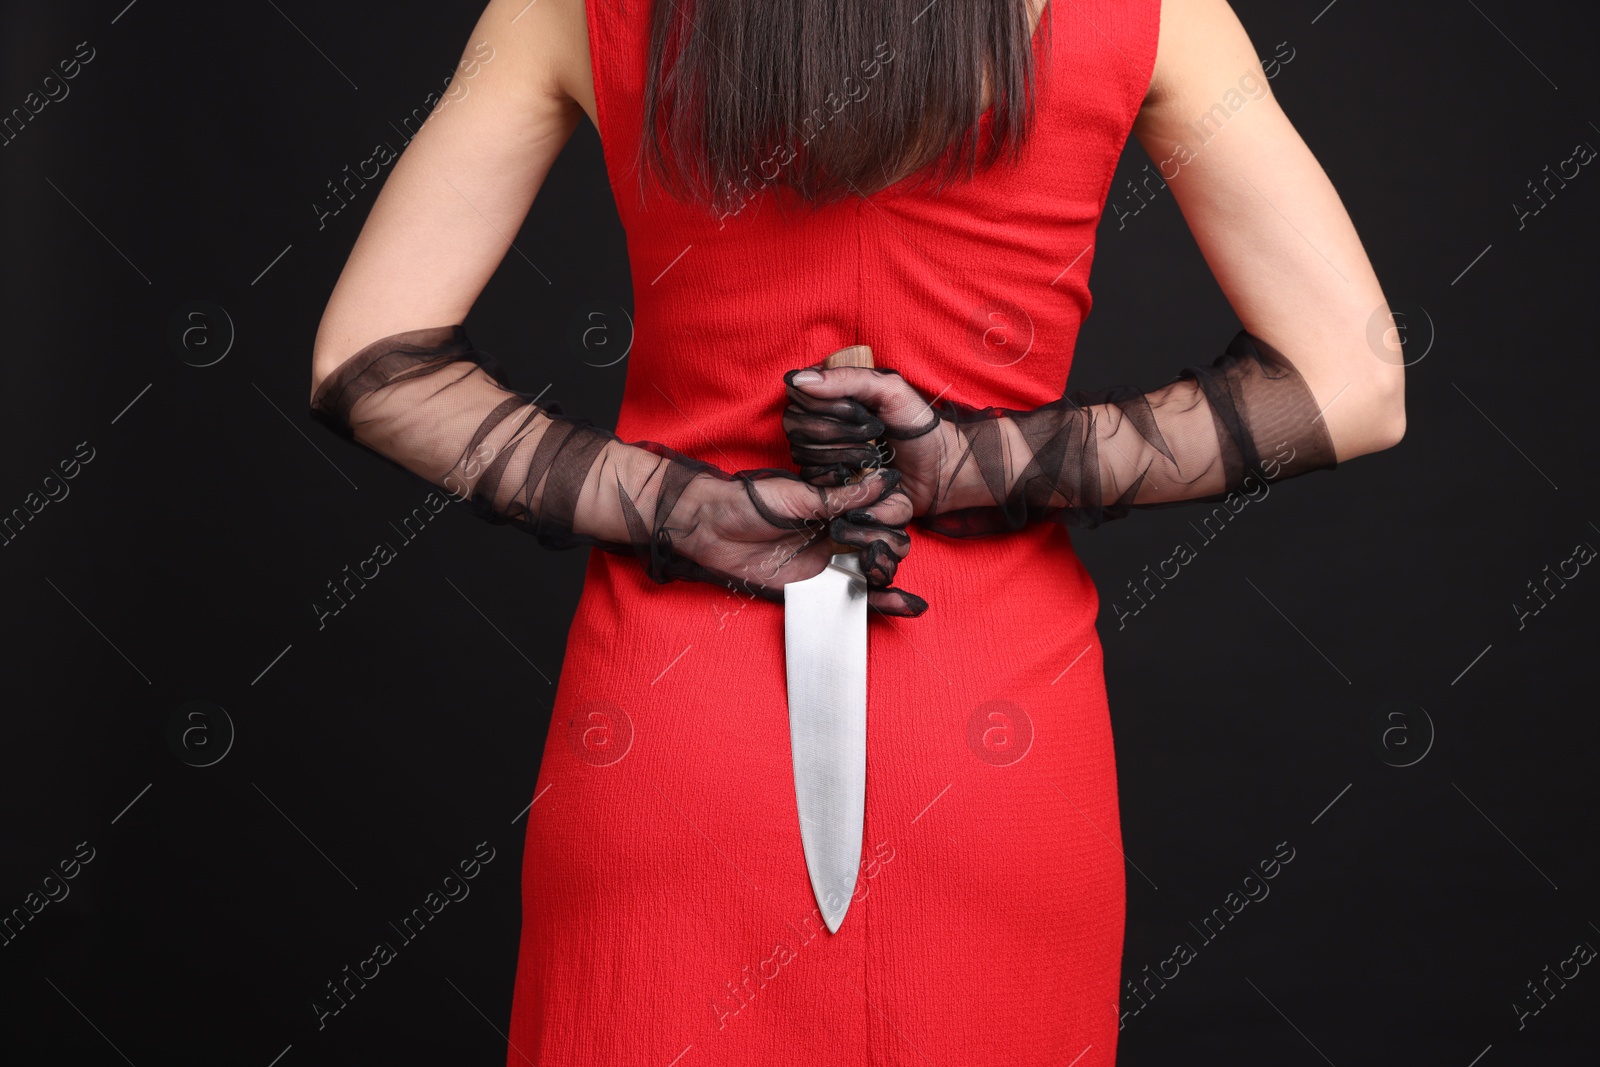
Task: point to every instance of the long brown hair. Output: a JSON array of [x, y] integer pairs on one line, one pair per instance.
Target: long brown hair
[[831, 97]]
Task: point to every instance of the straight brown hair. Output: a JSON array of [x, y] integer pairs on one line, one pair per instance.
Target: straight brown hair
[[831, 98]]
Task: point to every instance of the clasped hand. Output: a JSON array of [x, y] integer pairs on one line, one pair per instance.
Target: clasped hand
[[758, 530], [772, 527], [844, 419]]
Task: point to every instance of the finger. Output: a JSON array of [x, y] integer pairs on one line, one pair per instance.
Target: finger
[[855, 423], [895, 509], [843, 408], [873, 536], [897, 602], [787, 501], [830, 473], [829, 450], [873, 489], [848, 459], [869, 385], [902, 409], [879, 532], [863, 454], [881, 549]]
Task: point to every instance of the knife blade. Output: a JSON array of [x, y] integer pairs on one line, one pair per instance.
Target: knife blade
[[825, 660]]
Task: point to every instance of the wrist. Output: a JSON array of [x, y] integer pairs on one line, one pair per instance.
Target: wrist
[[620, 485], [988, 458], [642, 490]]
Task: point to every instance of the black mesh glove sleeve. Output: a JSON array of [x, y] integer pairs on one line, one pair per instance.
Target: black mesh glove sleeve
[[1081, 460], [431, 403]]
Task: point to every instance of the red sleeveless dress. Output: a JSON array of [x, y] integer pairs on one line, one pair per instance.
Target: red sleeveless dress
[[667, 917]]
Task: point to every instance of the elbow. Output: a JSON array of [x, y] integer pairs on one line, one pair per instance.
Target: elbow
[[1386, 426], [1396, 429], [1393, 414], [1380, 436], [1388, 391], [1378, 423]]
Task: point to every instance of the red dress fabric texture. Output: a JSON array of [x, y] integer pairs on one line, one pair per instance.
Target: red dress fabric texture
[[667, 914]]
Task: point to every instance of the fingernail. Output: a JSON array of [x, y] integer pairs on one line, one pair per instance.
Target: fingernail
[[805, 377]]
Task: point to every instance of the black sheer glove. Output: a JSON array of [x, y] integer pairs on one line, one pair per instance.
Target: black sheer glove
[[1081, 460], [429, 402]]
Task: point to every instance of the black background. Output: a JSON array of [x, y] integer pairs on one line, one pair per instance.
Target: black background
[[380, 750]]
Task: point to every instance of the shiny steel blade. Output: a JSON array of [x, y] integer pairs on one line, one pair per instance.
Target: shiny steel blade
[[825, 651]]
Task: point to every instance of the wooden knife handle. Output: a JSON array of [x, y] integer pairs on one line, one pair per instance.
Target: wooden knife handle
[[853, 356]]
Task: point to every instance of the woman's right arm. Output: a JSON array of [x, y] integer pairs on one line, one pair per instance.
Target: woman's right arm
[[394, 371], [392, 368], [1270, 224]]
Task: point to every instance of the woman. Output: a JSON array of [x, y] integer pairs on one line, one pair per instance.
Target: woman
[[668, 917]]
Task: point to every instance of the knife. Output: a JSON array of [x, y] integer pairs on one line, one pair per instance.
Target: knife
[[825, 654]]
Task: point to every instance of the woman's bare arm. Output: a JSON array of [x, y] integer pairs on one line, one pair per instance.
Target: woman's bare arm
[[459, 192], [1269, 222]]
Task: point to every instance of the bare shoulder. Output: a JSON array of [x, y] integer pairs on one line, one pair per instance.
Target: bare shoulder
[[1200, 41]]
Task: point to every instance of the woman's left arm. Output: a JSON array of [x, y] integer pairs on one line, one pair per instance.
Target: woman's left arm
[[1269, 222]]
